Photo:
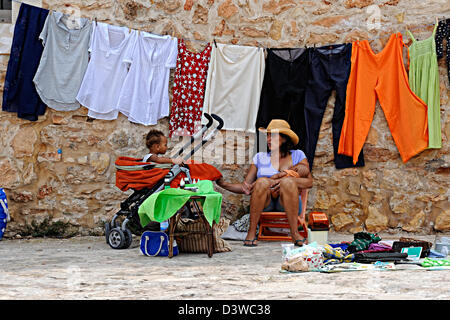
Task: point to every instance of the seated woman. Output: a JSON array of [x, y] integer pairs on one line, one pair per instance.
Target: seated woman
[[271, 187]]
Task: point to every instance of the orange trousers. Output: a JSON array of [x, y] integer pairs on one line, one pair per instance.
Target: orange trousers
[[382, 76]]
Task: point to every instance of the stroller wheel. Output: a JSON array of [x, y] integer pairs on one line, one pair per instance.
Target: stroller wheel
[[107, 231], [128, 238], [116, 238]]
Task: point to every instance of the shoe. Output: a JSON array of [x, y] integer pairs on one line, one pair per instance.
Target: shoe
[[300, 242], [252, 244]]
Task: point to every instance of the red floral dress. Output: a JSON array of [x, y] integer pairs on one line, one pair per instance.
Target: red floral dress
[[188, 90]]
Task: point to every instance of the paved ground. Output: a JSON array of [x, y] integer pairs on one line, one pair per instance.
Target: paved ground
[[86, 268]]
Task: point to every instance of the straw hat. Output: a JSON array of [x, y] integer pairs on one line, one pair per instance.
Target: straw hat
[[281, 126]]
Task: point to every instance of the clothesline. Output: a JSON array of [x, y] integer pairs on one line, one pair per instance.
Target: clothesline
[[419, 27], [120, 71]]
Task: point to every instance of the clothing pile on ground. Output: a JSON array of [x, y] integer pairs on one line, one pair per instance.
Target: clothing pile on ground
[[366, 252], [64, 64]]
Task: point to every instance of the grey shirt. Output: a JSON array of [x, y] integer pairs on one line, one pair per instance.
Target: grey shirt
[[63, 62]]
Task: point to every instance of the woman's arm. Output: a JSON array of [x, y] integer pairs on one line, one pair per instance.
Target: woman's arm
[[306, 180], [302, 168], [241, 188], [232, 187]]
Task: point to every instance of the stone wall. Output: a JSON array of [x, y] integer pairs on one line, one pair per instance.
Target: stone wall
[[62, 166]]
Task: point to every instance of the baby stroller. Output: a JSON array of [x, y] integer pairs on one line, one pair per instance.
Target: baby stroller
[[147, 178]]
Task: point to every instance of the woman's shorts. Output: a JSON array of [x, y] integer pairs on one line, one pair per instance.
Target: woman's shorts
[[275, 206]]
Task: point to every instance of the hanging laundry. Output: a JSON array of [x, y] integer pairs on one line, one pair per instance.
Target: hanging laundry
[[382, 76], [19, 93], [330, 70], [188, 90], [443, 32], [110, 48], [424, 82], [144, 97], [233, 85], [63, 62], [283, 91]]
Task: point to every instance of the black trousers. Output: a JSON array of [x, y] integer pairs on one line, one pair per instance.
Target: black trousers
[[329, 70], [283, 92]]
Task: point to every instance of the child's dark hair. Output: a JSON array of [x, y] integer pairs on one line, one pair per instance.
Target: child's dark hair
[[153, 137]]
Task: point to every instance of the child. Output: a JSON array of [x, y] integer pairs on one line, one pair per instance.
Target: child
[[157, 144]]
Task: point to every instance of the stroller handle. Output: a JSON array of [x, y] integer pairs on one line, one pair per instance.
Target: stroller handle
[[200, 133], [210, 119], [219, 120]]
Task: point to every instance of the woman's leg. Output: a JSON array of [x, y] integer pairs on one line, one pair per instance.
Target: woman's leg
[[260, 199], [289, 194]]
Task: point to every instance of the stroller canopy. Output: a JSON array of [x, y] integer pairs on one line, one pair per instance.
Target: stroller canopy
[[132, 173]]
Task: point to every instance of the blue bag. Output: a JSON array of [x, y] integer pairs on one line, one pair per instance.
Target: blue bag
[[4, 213], [156, 243]]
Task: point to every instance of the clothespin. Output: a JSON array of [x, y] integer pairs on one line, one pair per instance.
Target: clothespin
[[96, 21], [215, 43], [50, 12]]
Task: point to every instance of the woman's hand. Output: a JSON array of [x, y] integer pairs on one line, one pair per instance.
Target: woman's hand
[[278, 176], [247, 187], [274, 185], [302, 168]]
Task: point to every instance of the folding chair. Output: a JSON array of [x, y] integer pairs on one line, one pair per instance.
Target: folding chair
[[279, 220]]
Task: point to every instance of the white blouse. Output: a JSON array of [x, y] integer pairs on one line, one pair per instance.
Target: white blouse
[[63, 62], [144, 97], [233, 85], [110, 49]]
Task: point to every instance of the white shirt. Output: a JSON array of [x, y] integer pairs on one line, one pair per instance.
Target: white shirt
[[110, 48], [63, 62], [146, 157], [144, 97], [233, 85]]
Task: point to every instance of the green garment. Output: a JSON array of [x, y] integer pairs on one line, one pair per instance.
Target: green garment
[[362, 241], [162, 205], [427, 262], [424, 82]]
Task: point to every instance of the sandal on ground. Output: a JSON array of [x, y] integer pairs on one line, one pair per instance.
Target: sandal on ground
[[300, 242], [251, 244]]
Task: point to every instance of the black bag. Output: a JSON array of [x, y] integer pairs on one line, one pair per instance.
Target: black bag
[[397, 246], [370, 257]]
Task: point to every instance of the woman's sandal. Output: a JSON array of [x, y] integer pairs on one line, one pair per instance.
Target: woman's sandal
[[252, 244], [300, 242]]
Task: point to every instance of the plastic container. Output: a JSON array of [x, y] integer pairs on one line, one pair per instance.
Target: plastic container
[[285, 250], [321, 237], [163, 226], [166, 183], [4, 215], [442, 245]]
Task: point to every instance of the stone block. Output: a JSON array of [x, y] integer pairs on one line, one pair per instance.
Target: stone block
[[227, 9], [200, 15], [341, 221], [442, 222], [100, 161], [376, 221], [9, 173], [23, 142], [358, 3], [416, 224]]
